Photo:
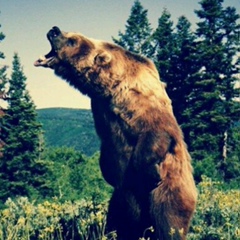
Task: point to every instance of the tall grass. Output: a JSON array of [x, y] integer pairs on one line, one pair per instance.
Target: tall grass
[[216, 218]]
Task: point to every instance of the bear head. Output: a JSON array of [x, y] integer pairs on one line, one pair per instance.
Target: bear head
[[77, 59]]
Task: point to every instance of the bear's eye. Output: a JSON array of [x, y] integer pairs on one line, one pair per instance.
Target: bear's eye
[[71, 42]]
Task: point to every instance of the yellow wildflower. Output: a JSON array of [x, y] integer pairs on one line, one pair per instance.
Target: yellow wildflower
[[172, 231], [21, 221], [181, 231]]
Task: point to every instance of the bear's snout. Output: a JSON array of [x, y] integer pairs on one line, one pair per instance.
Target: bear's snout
[[53, 33]]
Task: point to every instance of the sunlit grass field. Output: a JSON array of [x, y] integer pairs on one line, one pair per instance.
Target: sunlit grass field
[[217, 217]]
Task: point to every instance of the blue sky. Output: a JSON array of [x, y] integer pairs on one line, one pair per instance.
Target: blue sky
[[26, 22]]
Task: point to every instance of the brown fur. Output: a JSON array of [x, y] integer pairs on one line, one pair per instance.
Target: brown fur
[[143, 154]]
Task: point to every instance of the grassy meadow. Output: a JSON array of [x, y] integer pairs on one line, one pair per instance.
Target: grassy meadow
[[217, 217]]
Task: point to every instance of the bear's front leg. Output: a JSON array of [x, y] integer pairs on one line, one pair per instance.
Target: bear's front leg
[[149, 152]]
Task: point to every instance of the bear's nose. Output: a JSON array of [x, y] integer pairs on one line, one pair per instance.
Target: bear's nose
[[53, 33]]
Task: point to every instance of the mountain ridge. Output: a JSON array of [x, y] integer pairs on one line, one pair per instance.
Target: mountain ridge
[[69, 127]]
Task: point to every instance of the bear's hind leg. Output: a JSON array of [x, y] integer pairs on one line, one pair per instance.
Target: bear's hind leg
[[127, 216], [171, 214]]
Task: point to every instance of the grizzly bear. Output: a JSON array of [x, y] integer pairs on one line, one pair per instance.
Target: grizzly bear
[[143, 154]]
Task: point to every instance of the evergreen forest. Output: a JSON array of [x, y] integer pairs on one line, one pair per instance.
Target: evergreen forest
[[50, 182]]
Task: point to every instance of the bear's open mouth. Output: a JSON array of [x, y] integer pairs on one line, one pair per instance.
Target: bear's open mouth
[[49, 59], [46, 60]]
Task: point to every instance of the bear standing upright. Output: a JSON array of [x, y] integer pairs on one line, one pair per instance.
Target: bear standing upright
[[143, 154]]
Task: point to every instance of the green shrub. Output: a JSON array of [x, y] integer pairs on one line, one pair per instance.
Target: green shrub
[[217, 213]]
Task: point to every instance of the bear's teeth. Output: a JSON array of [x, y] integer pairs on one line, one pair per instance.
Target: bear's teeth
[[41, 57]]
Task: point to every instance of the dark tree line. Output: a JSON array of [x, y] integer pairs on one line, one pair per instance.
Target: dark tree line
[[200, 68]]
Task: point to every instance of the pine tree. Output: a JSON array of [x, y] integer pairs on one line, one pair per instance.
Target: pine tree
[[2, 36], [164, 41], [182, 67], [138, 34], [213, 95], [21, 169], [3, 79]]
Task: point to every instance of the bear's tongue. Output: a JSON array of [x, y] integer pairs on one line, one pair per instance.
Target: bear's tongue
[[44, 60]]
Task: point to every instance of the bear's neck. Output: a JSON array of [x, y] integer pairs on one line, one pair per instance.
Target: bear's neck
[[87, 82]]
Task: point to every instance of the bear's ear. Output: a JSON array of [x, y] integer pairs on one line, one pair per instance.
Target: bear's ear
[[103, 59]]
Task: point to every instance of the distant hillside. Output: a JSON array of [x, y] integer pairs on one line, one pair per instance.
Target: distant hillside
[[69, 127]]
